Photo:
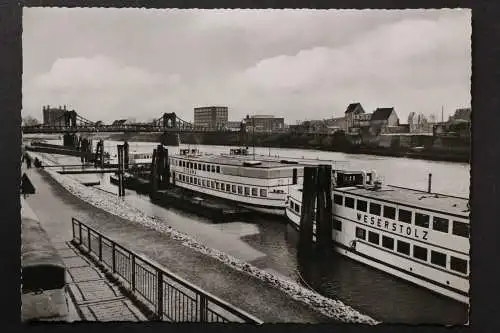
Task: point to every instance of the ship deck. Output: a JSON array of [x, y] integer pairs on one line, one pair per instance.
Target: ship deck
[[238, 160], [414, 198]]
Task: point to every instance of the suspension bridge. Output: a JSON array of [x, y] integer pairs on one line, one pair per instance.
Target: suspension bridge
[[72, 122]]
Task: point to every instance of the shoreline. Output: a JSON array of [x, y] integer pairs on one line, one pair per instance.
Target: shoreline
[[439, 155]]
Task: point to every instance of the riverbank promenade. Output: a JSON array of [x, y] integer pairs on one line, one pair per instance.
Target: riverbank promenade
[[55, 207], [89, 295]]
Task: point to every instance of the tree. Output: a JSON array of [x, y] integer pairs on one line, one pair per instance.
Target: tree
[[30, 121]]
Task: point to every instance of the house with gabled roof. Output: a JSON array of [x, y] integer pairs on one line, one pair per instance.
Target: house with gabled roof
[[352, 110], [382, 118]]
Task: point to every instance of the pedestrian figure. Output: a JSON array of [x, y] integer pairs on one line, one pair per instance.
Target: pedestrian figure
[[28, 162], [26, 186]]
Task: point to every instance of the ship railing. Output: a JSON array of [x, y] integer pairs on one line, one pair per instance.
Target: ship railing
[[168, 295]]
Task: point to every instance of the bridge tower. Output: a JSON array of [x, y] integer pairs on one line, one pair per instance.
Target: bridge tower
[[169, 120]]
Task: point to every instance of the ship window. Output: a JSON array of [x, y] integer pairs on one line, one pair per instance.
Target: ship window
[[360, 233], [217, 184], [255, 191], [420, 252], [191, 180], [212, 183], [422, 220], [458, 265], [338, 199], [240, 189], [213, 168], [204, 167], [195, 166], [439, 224], [291, 204], [361, 205], [183, 178], [375, 208], [263, 192], [199, 166], [296, 207], [388, 242], [190, 165], [390, 212], [404, 216], [204, 183], [247, 190], [337, 225], [196, 181], [233, 188], [373, 237], [460, 229], [349, 202], [217, 169], [228, 187], [438, 258], [403, 247]]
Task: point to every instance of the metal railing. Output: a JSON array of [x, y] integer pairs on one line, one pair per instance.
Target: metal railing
[[171, 297]]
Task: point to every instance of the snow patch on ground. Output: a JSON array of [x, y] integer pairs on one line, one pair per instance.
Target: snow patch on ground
[[112, 204]]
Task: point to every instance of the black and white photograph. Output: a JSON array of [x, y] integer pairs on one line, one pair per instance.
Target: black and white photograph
[[246, 165]]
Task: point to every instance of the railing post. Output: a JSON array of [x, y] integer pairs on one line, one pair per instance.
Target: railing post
[[73, 228], [133, 272], [159, 290], [88, 239], [203, 306], [80, 232], [100, 247], [113, 260]]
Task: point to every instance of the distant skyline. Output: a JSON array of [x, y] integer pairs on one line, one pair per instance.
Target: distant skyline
[[298, 64]]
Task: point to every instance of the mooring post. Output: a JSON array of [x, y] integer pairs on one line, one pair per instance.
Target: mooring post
[[166, 169], [153, 185], [429, 185], [324, 214], [306, 218], [120, 170], [101, 153], [125, 151], [160, 166]]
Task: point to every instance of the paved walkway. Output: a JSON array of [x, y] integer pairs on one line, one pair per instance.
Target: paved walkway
[[55, 207], [90, 296]]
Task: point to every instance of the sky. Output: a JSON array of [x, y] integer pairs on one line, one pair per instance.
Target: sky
[[112, 64]]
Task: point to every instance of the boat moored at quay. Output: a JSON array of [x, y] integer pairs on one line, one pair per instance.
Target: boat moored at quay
[[418, 236], [261, 184], [258, 184]]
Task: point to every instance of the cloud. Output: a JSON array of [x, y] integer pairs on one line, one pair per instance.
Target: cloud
[[390, 66], [293, 63], [100, 87]]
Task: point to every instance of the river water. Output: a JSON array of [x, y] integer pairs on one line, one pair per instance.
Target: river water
[[271, 244]]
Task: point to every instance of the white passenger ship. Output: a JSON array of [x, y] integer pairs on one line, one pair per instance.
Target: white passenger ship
[[260, 184], [415, 235]]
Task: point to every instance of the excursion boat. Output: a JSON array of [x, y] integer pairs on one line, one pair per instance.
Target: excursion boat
[[415, 235], [259, 184]]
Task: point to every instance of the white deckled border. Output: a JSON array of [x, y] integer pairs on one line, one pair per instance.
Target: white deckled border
[[112, 204]]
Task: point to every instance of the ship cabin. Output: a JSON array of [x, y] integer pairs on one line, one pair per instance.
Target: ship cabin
[[430, 227], [236, 178]]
